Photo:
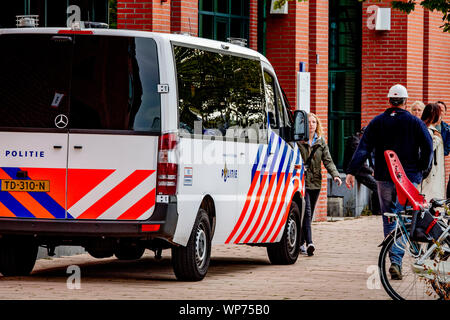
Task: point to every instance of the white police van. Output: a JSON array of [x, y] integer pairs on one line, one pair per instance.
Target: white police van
[[121, 141]]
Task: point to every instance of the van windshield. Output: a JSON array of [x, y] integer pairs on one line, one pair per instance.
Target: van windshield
[[98, 82]]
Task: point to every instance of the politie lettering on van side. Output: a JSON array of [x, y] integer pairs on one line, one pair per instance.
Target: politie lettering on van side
[[24, 154]]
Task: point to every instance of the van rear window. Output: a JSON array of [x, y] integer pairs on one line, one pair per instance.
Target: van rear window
[[99, 82]]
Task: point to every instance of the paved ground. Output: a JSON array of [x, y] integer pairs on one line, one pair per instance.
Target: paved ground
[[342, 269]]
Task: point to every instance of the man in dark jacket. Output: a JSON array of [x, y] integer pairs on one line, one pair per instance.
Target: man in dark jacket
[[365, 174], [444, 129], [398, 130]]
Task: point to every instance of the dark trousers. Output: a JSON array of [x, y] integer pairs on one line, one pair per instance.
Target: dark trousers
[[448, 188], [311, 197], [369, 181]]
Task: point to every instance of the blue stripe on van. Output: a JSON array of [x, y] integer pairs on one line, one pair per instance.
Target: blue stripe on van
[[283, 158], [266, 157], [297, 161], [43, 198], [255, 165], [275, 157], [14, 206], [288, 168]]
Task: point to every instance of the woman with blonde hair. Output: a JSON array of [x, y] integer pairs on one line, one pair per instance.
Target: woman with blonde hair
[[314, 152], [417, 109]]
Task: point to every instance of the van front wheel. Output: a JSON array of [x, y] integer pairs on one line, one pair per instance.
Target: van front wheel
[[191, 263], [286, 251], [17, 256]]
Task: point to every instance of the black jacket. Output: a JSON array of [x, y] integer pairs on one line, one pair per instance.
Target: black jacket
[[398, 130], [350, 148]]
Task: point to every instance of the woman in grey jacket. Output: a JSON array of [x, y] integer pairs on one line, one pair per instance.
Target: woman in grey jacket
[[314, 152]]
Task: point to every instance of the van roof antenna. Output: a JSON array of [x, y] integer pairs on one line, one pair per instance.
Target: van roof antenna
[[239, 41], [27, 21]]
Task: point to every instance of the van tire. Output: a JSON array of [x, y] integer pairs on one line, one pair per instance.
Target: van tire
[[17, 256], [129, 252], [190, 263], [287, 250]]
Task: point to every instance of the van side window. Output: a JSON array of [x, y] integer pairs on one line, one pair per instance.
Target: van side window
[[275, 108], [220, 94], [114, 84]]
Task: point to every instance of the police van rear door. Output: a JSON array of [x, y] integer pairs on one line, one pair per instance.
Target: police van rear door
[[34, 87], [115, 122]]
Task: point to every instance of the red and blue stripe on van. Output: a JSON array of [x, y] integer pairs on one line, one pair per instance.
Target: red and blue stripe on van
[[82, 185], [276, 177]]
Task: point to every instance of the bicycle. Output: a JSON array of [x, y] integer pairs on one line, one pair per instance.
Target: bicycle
[[421, 236]]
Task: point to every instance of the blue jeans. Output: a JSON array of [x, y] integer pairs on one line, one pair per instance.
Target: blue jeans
[[389, 203]]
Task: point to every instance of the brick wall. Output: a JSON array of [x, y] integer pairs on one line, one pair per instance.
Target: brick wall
[[318, 67], [287, 45], [384, 61], [144, 15], [253, 32], [185, 16]]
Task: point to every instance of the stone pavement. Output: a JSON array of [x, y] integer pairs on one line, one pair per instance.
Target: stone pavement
[[342, 269]]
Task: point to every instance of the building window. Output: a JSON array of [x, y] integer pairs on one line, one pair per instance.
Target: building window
[[344, 71], [53, 13], [222, 19]]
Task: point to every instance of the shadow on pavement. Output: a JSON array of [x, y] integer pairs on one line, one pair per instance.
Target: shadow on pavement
[[145, 269]]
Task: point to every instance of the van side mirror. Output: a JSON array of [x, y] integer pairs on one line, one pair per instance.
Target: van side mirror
[[301, 126]]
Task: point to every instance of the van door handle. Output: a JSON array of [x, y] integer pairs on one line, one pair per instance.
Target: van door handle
[[57, 147], [78, 147]]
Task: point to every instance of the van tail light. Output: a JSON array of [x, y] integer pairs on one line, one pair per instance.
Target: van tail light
[[167, 171]]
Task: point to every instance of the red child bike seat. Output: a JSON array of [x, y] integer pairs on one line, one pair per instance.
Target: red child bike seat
[[407, 193]]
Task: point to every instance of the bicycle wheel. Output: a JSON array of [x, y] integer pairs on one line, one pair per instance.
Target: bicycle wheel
[[415, 284]]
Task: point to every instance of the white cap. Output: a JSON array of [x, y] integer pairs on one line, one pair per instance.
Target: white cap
[[398, 91]]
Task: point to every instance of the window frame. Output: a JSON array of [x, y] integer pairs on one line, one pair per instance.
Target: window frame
[[225, 17], [285, 120]]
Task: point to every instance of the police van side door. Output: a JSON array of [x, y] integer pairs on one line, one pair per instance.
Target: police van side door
[[255, 158], [115, 123], [34, 101], [282, 168]]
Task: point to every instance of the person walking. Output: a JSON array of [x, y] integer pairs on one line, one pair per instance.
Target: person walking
[[398, 130], [314, 152], [433, 186], [365, 173]]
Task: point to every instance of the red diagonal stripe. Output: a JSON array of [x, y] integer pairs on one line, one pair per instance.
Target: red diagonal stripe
[[275, 197], [255, 207], [274, 202], [263, 209], [244, 210], [116, 194], [283, 197], [286, 213], [140, 207]]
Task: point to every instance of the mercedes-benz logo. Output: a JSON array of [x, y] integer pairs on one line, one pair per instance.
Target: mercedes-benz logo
[[61, 121]]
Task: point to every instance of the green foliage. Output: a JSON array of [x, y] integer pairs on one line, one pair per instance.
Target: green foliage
[[112, 5], [366, 211], [442, 6]]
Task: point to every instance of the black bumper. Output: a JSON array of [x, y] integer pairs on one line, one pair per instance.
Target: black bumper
[[165, 215]]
